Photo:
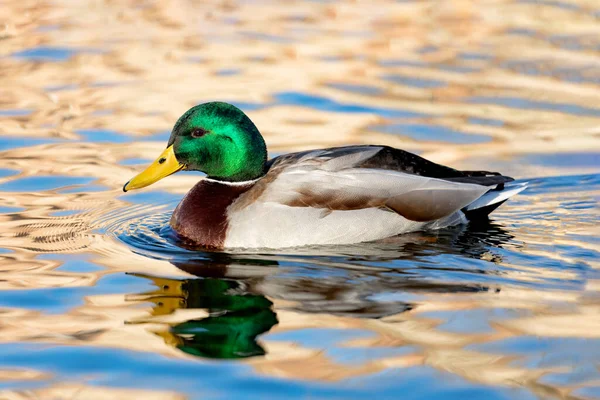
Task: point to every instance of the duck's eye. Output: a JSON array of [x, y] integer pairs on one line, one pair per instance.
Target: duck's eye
[[199, 132]]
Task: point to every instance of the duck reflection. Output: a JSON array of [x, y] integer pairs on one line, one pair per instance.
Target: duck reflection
[[235, 318], [235, 289]]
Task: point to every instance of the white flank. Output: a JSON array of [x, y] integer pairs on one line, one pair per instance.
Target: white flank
[[272, 225]]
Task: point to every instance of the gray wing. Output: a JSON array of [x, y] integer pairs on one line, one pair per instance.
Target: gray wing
[[358, 177], [388, 158]]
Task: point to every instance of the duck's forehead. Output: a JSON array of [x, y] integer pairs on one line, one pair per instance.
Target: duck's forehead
[[195, 116], [211, 116], [191, 117]]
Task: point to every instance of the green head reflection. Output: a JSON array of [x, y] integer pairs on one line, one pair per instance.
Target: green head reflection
[[235, 318]]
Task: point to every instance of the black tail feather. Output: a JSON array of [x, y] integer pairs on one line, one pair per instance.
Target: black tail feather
[[484, 178], [481, 213]]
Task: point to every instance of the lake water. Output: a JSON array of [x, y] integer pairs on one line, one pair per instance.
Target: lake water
[[99, 300]]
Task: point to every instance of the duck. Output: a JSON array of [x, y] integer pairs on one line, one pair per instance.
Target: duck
[[330, 196]]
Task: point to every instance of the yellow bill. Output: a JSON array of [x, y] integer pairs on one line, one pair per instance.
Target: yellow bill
[[165, 165]]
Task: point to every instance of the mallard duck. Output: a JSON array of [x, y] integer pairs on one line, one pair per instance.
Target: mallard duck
[[338, 195]]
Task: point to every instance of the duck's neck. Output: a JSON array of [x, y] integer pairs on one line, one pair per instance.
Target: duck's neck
[[201, 217], [245, 161], [232, 183]]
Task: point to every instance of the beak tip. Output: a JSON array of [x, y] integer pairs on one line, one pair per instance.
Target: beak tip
[[125, 187]]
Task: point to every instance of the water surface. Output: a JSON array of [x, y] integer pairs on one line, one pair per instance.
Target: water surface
[[99, 299]]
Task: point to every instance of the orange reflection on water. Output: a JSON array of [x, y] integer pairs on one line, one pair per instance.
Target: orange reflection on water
[[465, 83]]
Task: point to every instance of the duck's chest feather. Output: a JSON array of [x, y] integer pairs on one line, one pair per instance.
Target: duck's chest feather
[[201, 216]]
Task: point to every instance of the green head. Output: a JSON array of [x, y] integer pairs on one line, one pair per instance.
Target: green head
[[221, 141], [215, 138]]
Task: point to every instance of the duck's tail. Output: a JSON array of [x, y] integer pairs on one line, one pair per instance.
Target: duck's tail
[[483, 206]]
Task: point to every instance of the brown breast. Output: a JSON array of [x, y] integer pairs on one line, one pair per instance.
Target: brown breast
[[201, 217]]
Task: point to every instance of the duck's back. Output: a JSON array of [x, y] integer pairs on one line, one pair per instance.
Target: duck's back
[[351, 194]]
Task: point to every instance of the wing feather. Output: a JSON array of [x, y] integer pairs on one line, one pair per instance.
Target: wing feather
[[362, 177], [414, 197]]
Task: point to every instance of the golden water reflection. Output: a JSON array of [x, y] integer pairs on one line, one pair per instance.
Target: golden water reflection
[[89, 91]]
